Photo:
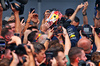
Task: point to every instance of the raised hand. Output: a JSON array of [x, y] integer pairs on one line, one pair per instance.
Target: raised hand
[[85, 7]]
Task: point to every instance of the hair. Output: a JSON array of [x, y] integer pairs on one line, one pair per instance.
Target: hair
[[4, 22], [4, 32], [38, 47], [77, 19], [69, 12], [11, 21], [32, 27], [95, 57], [31, 36], [53, 43], [74, 52], [55, 50], [4, 62]]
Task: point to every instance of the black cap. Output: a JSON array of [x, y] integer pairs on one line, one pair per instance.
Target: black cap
[[87, 30], [69, 12]]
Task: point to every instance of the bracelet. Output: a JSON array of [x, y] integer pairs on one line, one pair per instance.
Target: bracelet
[[84, 14], [48, 39], [17, 34], [97, 18]]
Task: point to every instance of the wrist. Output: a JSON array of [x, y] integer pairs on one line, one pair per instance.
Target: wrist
[[16, 13], [48, 39], [29, 19], [84, 14]]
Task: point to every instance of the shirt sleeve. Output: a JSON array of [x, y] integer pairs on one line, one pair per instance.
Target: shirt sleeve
[[68, 63]]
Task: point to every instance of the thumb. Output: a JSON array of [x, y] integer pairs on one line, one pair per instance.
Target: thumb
[[10, 42]]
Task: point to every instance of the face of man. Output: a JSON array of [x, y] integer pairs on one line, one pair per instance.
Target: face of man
[[12, 26], [61, 59], [8, 55], [41, 56], [83, 57], [75, 23]]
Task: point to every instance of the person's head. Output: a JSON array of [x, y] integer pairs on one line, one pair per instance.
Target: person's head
[[7, 34], [76, 21], [44, 27], [53, 43], [40, 52], [76, 54], [58, 54], [85, 44], [33, 28], [4, 62], [7, 54], [96, 58], [69, 12], [42, 38], [31, 36], [12, 24]]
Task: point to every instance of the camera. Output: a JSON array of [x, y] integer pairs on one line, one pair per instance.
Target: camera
[[49, 55], [87, 30], [58, 28], [19, 50], [19, 64], [6, 5], [83, 63], [97, 30]]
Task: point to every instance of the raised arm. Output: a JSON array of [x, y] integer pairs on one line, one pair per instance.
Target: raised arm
[[1, 11], [77, 9], [67, 41], [97, 41], [50, 33], [17, 20], [85, 19], [28, 20]]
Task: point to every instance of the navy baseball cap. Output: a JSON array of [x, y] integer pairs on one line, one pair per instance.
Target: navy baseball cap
[[69, 12]]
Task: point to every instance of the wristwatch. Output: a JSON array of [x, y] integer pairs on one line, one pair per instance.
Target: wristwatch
[[48, 39], [97, 18], [17, 34], [84, 14]]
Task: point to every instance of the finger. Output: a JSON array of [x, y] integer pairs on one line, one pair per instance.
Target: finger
[[26, 56], [14, 55], [10, 42], [22, 20], [29, 12], [32, 11], [27, 49]]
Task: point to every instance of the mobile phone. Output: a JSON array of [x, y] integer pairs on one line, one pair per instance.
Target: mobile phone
[[31, 9], [49, 55], [2, 43], [21, 19], [85, 0]]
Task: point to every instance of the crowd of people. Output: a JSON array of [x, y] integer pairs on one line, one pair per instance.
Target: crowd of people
[[25, 44]]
